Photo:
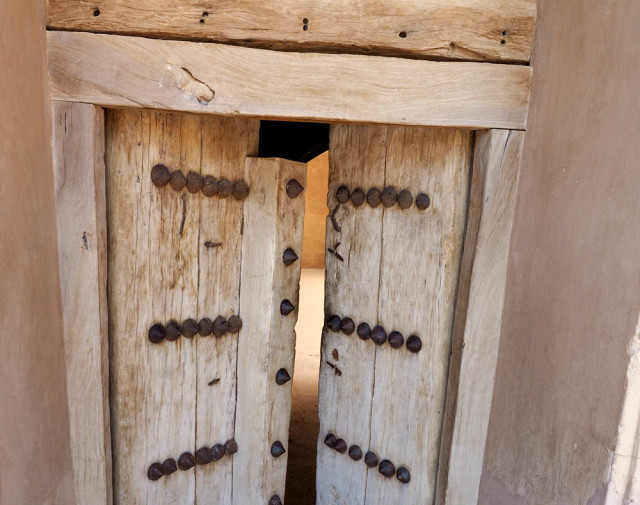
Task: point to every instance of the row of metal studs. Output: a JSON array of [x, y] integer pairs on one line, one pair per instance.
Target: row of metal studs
[[194, 182], [172, 331], [388, 197]]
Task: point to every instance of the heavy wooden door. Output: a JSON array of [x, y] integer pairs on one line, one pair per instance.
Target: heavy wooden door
[[203, 289], [398, 199]]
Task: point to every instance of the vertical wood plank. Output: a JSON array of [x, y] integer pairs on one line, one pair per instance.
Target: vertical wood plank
[[497, 160], [273, 222], [357, 159], [78, 163], [226, 142]]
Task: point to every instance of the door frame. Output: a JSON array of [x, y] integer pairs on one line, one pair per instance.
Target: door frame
[[85, 72]]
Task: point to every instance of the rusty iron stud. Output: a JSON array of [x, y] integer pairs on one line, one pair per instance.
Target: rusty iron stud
[[371, 459], [294, 188], [333, 323], [194, 182], [357, 197], [277, 449], [389, 196], [224, 188], [403, 475], [230, 447], [414, 344], [169, 466], [235, 324], [289, 256], [355, 453], [378, 335], [387, 468], [340, 446], [186, 461], [178, 180], [405, 199], [330, 440], [205, 327], [286, 307], [209, 186], [155, 471], [347, 326], [275, 500], [343, 194], [157, 333], [364, 331], [282, 377], [173, 331], [374, 197], [160, 176], [396, 339], [240, 190], [220, 326], [203, 456], [423, 201], [217, 452], [189, 328]]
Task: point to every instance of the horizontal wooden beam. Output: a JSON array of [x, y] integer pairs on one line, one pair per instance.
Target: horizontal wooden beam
[[117, 71], [485, 30]]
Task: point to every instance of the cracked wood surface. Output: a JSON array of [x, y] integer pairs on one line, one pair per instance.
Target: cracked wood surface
[[483, 30], [118, 71]]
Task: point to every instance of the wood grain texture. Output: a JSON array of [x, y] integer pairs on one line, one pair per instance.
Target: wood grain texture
[[463, 29], [273, 222], [400, 271], [119, 71], [497, 166], [78, 163]]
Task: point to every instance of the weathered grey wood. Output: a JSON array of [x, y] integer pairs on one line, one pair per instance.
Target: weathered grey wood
[[497, 163], [463, 29], [117, 71], [272, 223], [78, 163]]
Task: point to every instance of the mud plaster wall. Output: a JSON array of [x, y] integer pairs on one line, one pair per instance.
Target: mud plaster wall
[[35, 461], [573, 292]]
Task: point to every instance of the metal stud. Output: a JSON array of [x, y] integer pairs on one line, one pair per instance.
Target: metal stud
[[155, 471], [275, 500], [403, 475], [224, 188], [209, 186], [374, 197], [378, 335], [169, 466], [230, 447], [178, 180], [160, 176], [405, 199], [371, 459], [387, 468], [220, 326], [186, 461], [396, 339], [173, 331], [240, 190], [235, 324], [217, 452], [364, 331], [340, 446], [194, 182], [189, 328], [343, 194], [347, 326], [203, 456], [423, 201], [355, 453], [330, 440], [157, 333], [333, 323], [357, 197], [389, 196], [286, 307], [277, 449], [294, 188], [289, 256], [414, 344], [205, 327], [282, 377]]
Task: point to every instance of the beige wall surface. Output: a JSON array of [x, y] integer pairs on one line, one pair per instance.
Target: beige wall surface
[[573, 293], [34, 442], [315, 211]]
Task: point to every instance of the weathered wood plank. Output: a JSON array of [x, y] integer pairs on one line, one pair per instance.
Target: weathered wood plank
[[462, 29], [118, 71], [78, 163], [497, 161], [272, 223]]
